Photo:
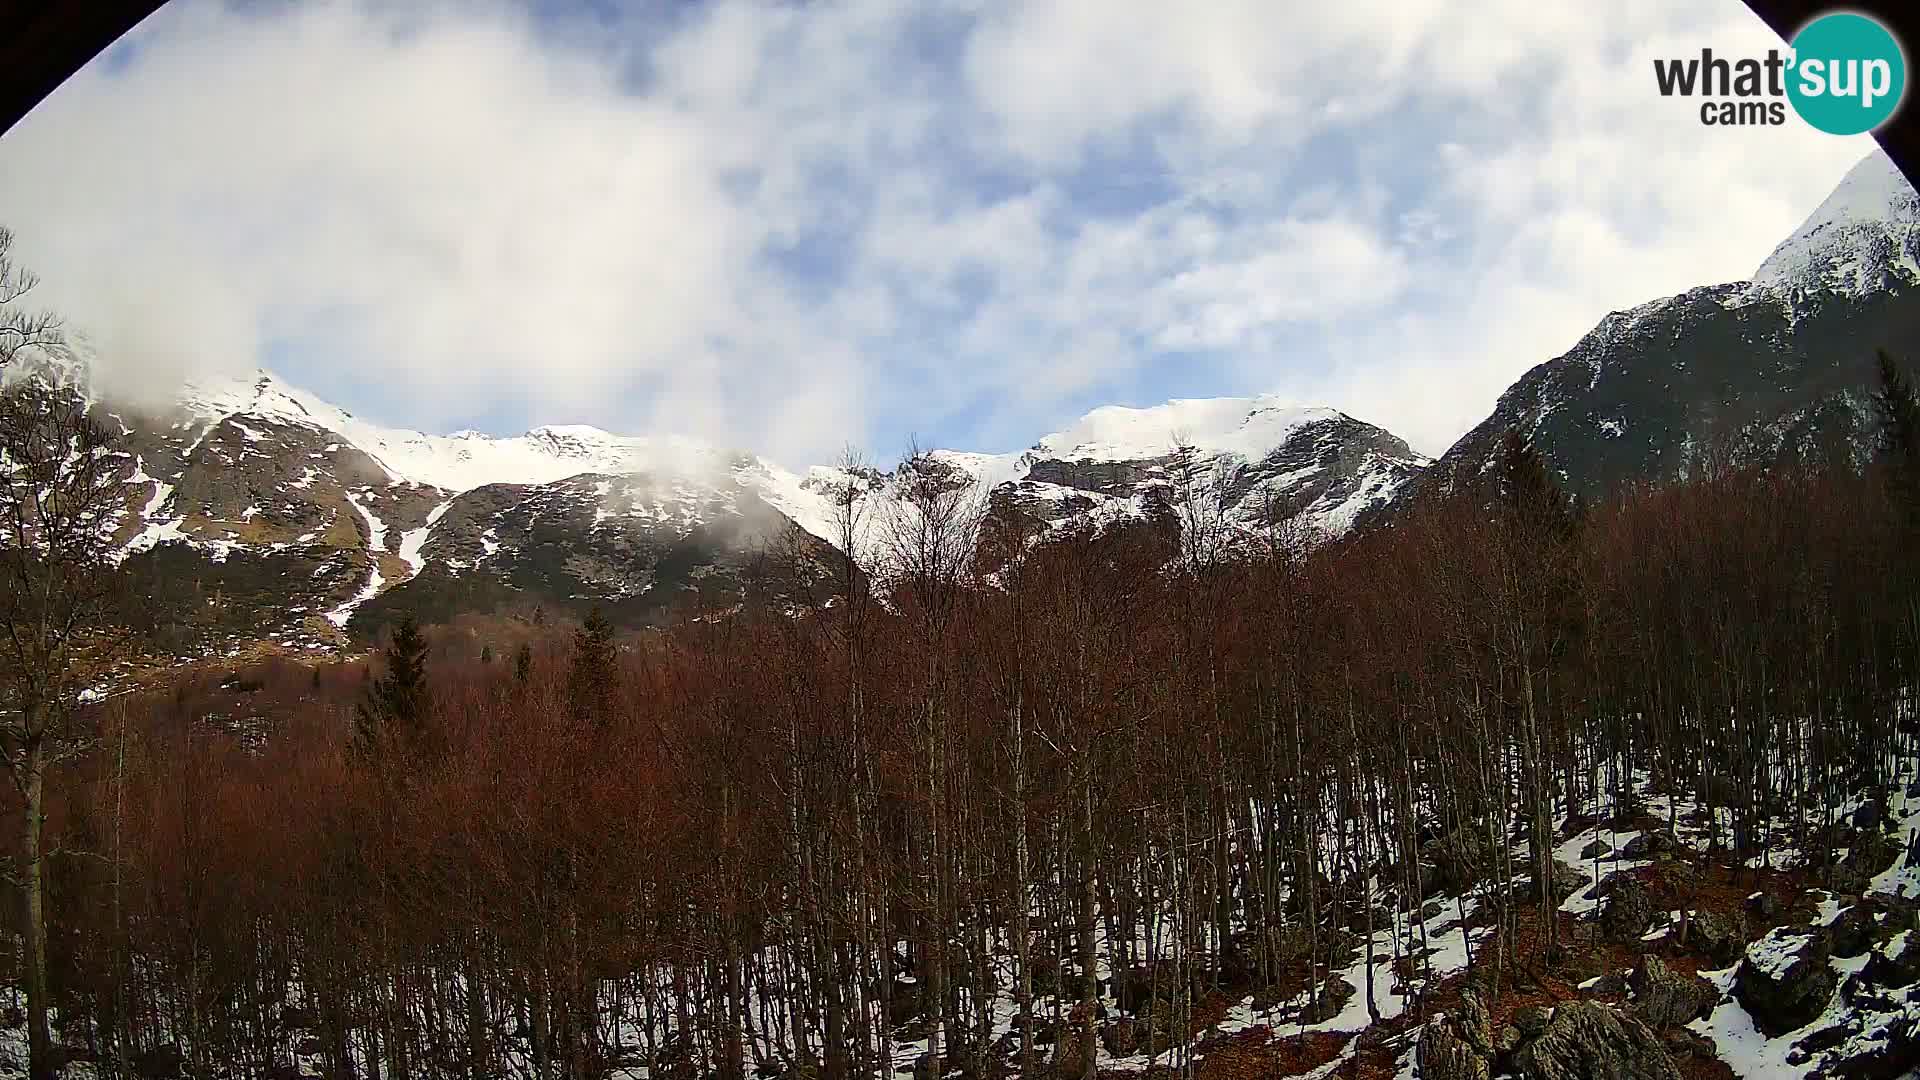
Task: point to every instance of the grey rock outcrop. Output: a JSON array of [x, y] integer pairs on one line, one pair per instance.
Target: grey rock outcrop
[[1786, 980], [1663, 997]]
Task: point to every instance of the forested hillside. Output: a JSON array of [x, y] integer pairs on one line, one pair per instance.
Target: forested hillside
[[1131, 804]]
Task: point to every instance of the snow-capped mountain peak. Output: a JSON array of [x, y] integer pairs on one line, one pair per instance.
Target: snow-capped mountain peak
[[1249, 427], [1866, 230], [1254, 458]]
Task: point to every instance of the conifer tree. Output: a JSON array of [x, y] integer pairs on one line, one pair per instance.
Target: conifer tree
[[1530, 495], [592, 675], [395, 707], [1541, 523], [1900, 435]]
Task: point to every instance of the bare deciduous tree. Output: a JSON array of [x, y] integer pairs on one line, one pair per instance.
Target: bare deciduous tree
[[22, 331], [59, 490]]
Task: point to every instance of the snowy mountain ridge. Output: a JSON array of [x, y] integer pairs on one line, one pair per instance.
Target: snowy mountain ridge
[[458, 462], [252, 486]]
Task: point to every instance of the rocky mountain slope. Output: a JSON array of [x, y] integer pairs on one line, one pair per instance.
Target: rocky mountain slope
[[1252, 461], [1775, 368], [256, 510]]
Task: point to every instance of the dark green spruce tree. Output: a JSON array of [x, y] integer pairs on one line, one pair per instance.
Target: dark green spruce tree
[[590, 681], [393, 714], [1899, 409], [1530, 496]]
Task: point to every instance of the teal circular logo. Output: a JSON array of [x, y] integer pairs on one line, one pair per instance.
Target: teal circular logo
[[1848, 74]]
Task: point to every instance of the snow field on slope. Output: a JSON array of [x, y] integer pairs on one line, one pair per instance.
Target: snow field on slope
[[376, 546], [1244, 427], [413, 541]]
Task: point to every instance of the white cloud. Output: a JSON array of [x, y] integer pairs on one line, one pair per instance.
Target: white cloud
[[1226, 299], [787, 226], [451, 212]]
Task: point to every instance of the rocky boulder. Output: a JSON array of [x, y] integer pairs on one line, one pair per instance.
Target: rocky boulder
[[1564, 882], [1587, 1041], [1628, 910], [1785, 980], [1577, 1041], [1663, 997], [1648, 844], [1720, 938], [1895, 963]]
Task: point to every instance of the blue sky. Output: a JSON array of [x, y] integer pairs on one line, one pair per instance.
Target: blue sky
[[792, 226]]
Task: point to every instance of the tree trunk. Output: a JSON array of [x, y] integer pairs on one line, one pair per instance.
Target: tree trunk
[[1089, 975], [33, 882], [477, 1063], [1022, 933]]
